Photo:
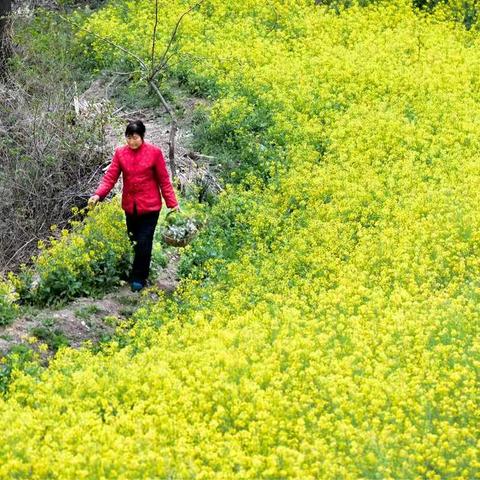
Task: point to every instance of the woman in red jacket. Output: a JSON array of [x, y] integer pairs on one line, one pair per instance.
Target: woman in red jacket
[[144, 175]]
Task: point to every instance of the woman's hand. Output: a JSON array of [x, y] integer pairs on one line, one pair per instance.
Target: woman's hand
[[93, 200], [175, 209]]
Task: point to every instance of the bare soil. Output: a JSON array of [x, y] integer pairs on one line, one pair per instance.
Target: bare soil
[[85, 319]]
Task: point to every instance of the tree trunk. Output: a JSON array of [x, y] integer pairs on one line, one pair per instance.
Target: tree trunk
[[5, 9]]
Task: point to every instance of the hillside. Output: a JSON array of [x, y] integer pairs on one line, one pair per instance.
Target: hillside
[[327, 322]]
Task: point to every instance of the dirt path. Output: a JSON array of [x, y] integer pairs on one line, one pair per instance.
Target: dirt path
[[85, 319], [95, 320]]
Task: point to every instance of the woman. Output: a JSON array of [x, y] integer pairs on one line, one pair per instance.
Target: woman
[[144, 174]]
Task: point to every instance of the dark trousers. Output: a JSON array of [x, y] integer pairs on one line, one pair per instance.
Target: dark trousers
[[140, 230]]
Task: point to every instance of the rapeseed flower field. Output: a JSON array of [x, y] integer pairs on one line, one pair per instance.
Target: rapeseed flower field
[[339, 339]]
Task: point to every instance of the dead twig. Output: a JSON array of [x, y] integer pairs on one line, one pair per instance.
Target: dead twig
[[10, 261]]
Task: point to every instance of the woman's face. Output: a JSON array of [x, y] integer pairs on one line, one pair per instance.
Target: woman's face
[[134, 141]]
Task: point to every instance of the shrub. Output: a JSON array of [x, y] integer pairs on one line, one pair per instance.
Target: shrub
[[50, 151], [90, 259]]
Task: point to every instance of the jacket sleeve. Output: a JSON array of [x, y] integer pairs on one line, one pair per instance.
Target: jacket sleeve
[[164, 181], [110, 177]]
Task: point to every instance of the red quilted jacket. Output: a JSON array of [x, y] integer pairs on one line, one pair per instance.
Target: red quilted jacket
[[144, 175]]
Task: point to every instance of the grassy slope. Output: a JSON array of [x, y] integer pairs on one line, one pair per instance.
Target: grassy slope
[[343, 340]]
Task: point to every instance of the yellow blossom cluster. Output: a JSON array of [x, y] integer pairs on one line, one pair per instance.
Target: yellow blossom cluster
[[87, 259], [342, 338], [8, 297]]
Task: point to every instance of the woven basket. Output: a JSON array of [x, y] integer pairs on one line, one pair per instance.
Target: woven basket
[[177, 242]]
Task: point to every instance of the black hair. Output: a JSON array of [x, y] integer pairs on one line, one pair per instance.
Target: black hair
[[135, 127]]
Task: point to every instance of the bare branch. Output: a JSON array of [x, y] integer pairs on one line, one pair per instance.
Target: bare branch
[[161, 63], [154, 36], [171, 149], [173, 130], [162, 99], [10, 261]]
